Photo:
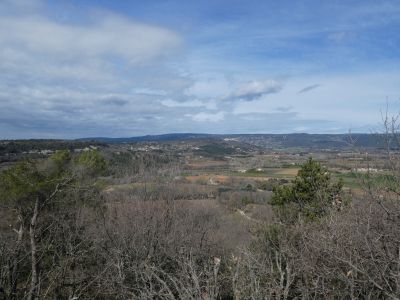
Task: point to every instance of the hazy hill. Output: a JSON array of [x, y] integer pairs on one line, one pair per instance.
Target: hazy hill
[[303, 140]]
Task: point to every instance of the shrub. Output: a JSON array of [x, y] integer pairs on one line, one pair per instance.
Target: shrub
[[311, 195]]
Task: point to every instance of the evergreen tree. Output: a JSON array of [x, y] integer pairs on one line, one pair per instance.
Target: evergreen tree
[[311, 195]]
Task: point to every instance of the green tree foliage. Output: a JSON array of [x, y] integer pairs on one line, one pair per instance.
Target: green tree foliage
[[61, 158], [19, 185], [46, 196], [28, 181], [91, 162], [311, 195]]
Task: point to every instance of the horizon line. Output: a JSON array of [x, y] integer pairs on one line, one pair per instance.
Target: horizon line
[[184, 133]]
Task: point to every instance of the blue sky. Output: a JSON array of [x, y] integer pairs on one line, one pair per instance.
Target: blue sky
[[124, 68]]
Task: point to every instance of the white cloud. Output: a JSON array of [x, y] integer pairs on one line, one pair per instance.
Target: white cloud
[[149, 91], [19, 6], [75, 77], [109, 35], [191, 103], [309, 88], [255, 89], [339, 36], [209, 85], [207, 117], [352, 100]]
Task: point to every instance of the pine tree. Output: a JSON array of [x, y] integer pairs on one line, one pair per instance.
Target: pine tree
[[311, 195]]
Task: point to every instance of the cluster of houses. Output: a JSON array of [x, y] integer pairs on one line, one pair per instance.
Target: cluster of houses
[[49, 152]]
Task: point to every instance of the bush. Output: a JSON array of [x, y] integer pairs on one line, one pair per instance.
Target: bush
[[311, 195]]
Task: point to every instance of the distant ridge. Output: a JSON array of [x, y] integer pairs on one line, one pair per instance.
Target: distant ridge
[[155, 138], [266, 140]]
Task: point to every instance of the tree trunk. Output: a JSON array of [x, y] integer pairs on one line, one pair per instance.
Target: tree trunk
[[33, 295], [14, 270]]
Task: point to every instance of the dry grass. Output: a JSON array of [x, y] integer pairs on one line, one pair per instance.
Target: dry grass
[[222, 179], [287, 171], [206, 164]]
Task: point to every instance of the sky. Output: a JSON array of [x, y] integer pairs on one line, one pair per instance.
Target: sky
[[115, 68]]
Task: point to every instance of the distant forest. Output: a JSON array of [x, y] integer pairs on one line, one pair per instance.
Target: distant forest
[[20, 146]]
